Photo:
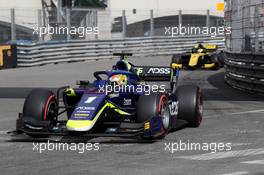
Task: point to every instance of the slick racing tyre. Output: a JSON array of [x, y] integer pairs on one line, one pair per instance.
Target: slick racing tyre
[[156, 104], [190, 104], [215, 60], [40, 105], [221, 59]]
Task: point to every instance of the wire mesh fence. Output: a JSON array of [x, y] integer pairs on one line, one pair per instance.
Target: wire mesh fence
[[24, 21], [64, 24], [246, 18]]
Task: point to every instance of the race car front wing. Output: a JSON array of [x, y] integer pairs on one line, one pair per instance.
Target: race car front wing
[[151, 129]]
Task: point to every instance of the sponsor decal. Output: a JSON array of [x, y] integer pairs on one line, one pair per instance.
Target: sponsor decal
[[113, 95], [81, 115], [127, 102], [85, 108], [111, 130], [83, 112], [90, 100], [156, 70], [174, 108]]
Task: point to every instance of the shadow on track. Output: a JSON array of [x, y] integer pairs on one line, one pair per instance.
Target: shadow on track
[[18, 92], [223, 92], [67, 139]]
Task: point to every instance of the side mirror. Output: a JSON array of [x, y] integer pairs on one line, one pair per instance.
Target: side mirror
[[82, 82]]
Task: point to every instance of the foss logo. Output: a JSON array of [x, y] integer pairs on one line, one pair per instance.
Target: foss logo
[[159, 70]]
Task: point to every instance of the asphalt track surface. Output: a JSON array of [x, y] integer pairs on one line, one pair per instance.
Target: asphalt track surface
[[230, 116]]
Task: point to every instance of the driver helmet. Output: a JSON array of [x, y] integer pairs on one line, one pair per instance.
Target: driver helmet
[[199, 48], [118, 79], [123, 65]]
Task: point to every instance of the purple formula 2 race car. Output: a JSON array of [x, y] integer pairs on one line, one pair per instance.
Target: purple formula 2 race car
[[115, 104]]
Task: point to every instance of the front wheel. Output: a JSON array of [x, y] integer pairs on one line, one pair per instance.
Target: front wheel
[[190, 104], [152, 105], [40, 105]]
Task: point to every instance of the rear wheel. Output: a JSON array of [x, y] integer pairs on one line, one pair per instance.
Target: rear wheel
[[40, 105], [190, 104], [152, 105], [215, 60], [221, 59]]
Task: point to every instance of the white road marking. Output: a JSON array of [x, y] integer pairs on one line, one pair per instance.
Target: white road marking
[[153, 152], [222, 155], [249, 131], [3, 132], [248, 112], [261, 162], [211, 116], [240, 144], [4, 138], [5, 144], [237, 173], [236, 113]]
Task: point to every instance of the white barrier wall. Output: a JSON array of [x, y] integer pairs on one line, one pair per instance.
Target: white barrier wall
[[39, 54]]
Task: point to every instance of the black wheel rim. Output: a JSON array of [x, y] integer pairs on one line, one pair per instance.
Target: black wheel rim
[[52, 111]]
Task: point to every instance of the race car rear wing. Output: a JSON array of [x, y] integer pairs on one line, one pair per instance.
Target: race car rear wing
[[154, 73], [122, 55], [149, 73]]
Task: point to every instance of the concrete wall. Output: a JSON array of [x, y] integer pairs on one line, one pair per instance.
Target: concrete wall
[[161, 8], [164, 4]]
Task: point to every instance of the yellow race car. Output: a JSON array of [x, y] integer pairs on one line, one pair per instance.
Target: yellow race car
[[203, 56]]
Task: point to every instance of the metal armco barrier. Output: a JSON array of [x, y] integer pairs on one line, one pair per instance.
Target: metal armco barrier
[[45, 53], [245, 71]]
